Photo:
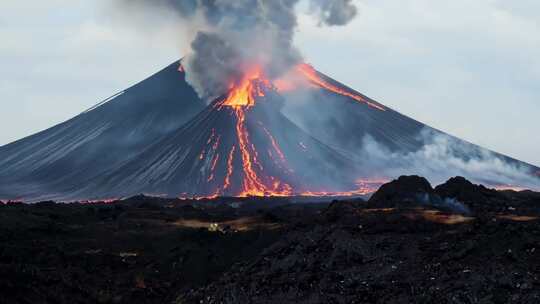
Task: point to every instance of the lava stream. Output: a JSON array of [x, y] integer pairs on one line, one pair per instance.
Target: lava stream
[[364, 187], [241, 98], [275, 145], [312, 76], [254, 180], [230, 160]]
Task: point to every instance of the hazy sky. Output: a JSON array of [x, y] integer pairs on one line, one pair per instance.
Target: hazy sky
[[470, 68]]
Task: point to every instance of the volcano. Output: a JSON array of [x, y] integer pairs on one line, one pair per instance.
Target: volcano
[[303, 134]]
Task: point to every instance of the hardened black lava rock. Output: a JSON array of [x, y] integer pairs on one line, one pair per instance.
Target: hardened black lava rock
[[390, 256], [273, 250], [405, 188]]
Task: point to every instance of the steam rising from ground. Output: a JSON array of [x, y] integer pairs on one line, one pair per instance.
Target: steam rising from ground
[[442, 157], [230, 36]]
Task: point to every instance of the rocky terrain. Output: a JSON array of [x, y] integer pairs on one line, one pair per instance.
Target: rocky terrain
[[409, 243]]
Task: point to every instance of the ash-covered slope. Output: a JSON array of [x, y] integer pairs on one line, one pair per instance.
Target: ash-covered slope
[[158, 137], [344, 122], [64, 158], [383, 142], [231, 151]]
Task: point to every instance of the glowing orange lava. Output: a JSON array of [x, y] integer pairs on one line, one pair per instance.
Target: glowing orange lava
[[364, 187], [252, 178], [227, 183], [275, 145], [215, 157], [253, 185], [243, 94], [314, 78], [241, 98]]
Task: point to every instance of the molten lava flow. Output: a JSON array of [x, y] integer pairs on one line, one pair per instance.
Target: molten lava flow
[[275, 145], [364, 187], [254, 179], [313, 77], [241, 98], [215, 157], [227, 183], [253, 85], [253, 185]]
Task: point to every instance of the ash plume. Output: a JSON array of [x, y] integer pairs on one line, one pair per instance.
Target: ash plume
[[231, 36], [334, 12]]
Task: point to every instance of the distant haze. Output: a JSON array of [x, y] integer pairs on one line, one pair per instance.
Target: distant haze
[[470, 68]]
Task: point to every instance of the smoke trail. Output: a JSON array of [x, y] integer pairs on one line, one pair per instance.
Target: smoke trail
[[231, 36]]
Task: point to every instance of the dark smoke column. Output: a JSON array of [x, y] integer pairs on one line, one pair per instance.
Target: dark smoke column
[[233, 36]]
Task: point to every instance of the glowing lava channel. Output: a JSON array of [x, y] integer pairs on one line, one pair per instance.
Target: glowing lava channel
[[312, 76], [242, 98], [364, 187]]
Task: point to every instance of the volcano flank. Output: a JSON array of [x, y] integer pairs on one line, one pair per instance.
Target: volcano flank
[[304, 134]]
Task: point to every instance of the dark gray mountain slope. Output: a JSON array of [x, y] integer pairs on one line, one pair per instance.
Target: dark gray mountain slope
[[67, 156], [155, 137]]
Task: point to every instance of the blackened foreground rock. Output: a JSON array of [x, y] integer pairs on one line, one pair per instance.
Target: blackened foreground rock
[[142, 250], [405, 188], [414, 191], [481, 199], [395, 249], [269, 250], [389, 257], [467, 192]]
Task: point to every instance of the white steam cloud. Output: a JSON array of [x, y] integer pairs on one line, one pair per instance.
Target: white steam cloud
[[442, 157]]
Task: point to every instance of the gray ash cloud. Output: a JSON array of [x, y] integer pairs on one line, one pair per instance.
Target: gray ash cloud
[[231, 36]]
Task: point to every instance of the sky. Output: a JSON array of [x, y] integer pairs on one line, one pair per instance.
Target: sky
[[469, 68]]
